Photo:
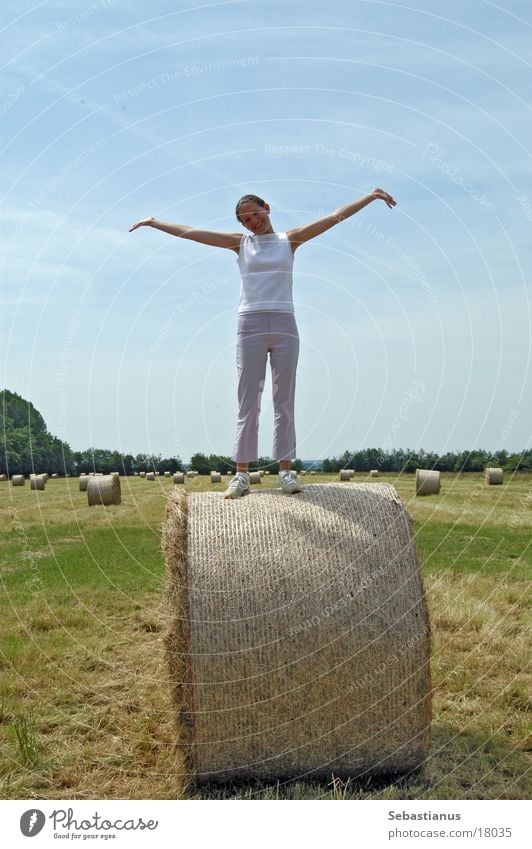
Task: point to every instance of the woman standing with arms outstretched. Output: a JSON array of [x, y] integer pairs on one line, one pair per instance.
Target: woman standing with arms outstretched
[[266, 323]]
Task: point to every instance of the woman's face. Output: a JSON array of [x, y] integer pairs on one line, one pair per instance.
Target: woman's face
[[255, 217]]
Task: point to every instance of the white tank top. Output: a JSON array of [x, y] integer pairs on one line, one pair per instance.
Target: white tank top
[[265, 262]]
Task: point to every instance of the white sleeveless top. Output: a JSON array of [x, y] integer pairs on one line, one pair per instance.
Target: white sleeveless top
[[265, 261]]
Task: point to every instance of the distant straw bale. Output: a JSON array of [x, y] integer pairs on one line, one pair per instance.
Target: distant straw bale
[[427, 482], [493, 476], [104, 490]]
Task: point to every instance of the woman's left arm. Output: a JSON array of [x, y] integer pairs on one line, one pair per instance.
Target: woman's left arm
[[298, 235]]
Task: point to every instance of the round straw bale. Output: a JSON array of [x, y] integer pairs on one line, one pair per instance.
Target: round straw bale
[[104, 490], [37, 482], [46, 477], [493, 476], [346, 474], [179, 477], [302, 472], [55, 475], [374, 473], [3, 477], [261, 472], [142, 474], [150, 476], [427, 482], [83, 482], [254, 477], [18, 480], [215, 477], [267, 472], [168, 474], [190, 473], [299, 637]]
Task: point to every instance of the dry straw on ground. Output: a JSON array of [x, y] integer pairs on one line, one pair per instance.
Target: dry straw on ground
[[427, 482], [493, 476], [299, 638], [104, 490]]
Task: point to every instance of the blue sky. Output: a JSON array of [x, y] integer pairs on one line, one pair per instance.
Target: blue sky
[[415, 322]]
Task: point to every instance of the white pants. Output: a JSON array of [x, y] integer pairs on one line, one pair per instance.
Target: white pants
[[260, 334]]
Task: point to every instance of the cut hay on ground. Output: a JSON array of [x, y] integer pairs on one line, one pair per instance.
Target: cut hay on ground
[[299, 639]]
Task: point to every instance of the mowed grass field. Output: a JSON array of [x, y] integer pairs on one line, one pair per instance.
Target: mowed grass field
[[85, 707]]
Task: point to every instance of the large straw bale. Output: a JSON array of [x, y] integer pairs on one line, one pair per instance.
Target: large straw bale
[[346, 474], [299, 638], [18, 480], [104, 490], [142, 474], [216, 477], [84, 482], [37, 482], [374, 473], [179, 477], [254, 477], [427, 482], [493, 476], [150, 476], [3, 477]]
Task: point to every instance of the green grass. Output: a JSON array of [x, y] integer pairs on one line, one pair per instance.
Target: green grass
[[85, 707]]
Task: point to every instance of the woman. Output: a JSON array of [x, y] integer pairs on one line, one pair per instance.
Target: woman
[[266, 323]]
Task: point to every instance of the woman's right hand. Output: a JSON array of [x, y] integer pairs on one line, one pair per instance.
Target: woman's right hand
[[145, 222]]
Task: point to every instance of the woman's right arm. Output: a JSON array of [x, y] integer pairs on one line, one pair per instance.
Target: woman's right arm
[[206, 237]]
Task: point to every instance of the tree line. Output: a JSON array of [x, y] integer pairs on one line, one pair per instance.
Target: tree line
[[26, 446]]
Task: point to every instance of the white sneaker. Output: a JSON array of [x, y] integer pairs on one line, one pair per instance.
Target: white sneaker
[[288, 482], [238, 486]]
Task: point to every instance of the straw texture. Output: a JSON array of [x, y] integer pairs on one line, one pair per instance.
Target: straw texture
[[299, 636]]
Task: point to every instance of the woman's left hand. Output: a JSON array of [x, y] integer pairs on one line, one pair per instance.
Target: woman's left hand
[[380, 194]]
